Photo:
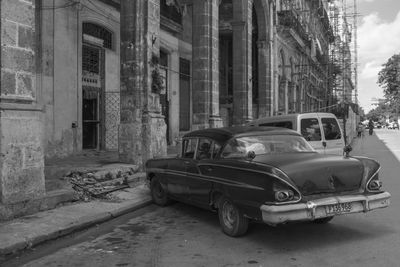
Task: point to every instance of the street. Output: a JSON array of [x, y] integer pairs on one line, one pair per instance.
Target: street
[[182, 235]]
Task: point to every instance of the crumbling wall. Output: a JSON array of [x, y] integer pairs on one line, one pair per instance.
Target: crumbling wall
[[21, 125]]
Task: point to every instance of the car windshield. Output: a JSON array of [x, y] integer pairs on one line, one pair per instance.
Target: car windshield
[[266, 144]]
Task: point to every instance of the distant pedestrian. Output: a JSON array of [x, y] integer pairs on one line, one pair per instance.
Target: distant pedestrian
[[371, 126], [360, 130]]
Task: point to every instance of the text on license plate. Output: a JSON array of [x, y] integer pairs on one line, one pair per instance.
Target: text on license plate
[[338, 208]]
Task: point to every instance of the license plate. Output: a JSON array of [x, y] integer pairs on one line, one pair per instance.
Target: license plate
[[338, 208]]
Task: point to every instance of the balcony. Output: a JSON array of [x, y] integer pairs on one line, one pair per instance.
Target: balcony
[[290, 23]]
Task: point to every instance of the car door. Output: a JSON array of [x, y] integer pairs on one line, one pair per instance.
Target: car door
[[311, 130], [198, 182], [177, 183], [332, 135]]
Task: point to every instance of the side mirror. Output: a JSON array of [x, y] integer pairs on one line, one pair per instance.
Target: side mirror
[[251, 155], [346, 150]]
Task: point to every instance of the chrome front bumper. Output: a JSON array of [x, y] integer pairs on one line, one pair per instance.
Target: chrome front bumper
[[314, 209]]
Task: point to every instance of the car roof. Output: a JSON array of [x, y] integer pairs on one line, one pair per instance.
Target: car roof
[[224, 134], [295, 115]]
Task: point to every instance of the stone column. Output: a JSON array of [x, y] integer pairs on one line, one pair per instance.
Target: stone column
[[142, 133], [21, 112], [286, 99], [242, 38], [264, 79], [205, 65]]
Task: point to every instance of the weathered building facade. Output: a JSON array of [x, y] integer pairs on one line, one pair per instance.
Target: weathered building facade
[[21, 108], [133, 76], [304, 38]]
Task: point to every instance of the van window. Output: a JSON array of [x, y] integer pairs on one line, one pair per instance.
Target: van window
[[310, 129], [331, 129], [282, 124]]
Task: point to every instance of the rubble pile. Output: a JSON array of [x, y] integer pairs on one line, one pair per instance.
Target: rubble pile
[[98, 184]]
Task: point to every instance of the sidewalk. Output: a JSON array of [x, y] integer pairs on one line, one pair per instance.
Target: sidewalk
[[28, 231]]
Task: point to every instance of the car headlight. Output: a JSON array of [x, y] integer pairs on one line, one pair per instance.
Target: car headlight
[[283, 193], [374, 185]]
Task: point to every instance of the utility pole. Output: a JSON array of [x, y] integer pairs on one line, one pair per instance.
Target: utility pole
[[355, 53]]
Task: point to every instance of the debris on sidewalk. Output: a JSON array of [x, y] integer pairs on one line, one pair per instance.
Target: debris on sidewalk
[[98, 184]]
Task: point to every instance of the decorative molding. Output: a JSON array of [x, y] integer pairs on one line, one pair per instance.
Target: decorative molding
[[170, 25], [21, 107], [239, 23]]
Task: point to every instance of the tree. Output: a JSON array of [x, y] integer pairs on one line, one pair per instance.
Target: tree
[[378, 113], [389, 80]]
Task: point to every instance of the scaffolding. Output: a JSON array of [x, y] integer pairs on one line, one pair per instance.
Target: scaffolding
[[343, 52]]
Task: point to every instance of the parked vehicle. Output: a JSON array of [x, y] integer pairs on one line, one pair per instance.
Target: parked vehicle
[[264, 174], [321, 130], [393, 125]]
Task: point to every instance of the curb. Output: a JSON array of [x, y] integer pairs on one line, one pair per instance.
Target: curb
[[82, 223]]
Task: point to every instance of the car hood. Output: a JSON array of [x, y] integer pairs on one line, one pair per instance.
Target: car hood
[[314, 173]]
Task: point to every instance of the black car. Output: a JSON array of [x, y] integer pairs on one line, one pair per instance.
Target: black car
[[265, 174]]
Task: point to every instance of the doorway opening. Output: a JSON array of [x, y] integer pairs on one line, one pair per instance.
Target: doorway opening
[[92, 97]]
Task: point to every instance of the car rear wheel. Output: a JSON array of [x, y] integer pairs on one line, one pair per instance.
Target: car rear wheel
[[158, 194], [231, 219], [323, 220]]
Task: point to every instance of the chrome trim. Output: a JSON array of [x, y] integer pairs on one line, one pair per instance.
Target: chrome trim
[[372, 176], [206, 178], [315, 209], [159, 170], [264, 172], [370, 179]]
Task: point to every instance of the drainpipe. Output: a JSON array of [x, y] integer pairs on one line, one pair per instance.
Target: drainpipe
[[272, 51]]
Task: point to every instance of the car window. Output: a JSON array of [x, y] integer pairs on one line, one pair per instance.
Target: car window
[[310, 129], [204, 149], [283, 124], [216, 148], [189, 148], [331, 129], [265, 144]]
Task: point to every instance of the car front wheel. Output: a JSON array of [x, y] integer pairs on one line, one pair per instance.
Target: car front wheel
[[231, 219], [158, 194]]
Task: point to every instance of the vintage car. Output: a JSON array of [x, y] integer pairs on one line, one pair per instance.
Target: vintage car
[[265, 174]]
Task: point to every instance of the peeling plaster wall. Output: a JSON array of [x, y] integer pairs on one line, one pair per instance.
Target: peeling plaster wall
[[22, 164]]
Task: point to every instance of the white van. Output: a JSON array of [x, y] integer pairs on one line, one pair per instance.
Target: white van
[[321, 130]]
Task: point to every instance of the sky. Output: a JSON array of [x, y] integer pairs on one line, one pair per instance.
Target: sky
[[378, 39]]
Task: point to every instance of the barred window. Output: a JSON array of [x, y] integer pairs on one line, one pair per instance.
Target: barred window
[[90, 59], [98, 32]]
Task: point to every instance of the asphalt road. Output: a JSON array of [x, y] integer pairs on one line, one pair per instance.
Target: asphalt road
[[181, 235]]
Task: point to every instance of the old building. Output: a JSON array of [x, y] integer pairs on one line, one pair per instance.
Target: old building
[[133, 76], [304, 38]]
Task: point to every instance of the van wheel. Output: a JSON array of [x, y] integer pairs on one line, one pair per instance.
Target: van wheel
[[231, 219]]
